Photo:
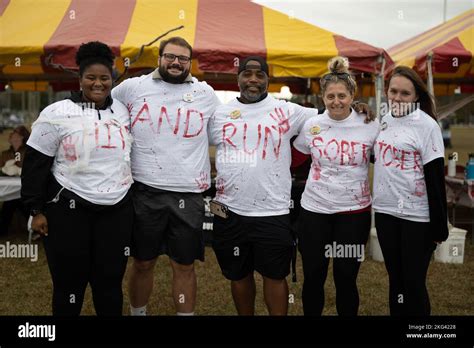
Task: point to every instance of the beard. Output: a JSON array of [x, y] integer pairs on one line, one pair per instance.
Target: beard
[[176, 79], [253, 96]]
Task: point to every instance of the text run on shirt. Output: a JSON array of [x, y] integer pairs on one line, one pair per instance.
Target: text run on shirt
[[269, 132]]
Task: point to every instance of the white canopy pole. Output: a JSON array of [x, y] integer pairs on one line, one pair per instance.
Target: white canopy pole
[[379, 87], [429, 65]]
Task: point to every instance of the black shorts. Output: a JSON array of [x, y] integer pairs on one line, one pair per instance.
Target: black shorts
[[243, 244], [168, 223]]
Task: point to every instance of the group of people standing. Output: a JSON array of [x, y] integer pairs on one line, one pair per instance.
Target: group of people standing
[[110, 173]]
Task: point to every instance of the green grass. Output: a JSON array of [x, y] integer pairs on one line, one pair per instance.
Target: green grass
[[26, 288]]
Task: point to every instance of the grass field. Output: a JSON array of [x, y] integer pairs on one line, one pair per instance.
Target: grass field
[[26, 286]]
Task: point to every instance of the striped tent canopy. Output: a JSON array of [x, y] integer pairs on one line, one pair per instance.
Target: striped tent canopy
[[38, 37], [451, 46]]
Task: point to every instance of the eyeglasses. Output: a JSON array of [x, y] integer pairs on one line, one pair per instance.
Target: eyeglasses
[[344, 76], [171, 57]]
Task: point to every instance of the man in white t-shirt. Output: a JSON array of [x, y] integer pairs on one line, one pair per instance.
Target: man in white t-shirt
[[253, 155], [169, 111]]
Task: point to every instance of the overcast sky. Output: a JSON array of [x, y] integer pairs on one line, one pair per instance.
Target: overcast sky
[[382, 23]]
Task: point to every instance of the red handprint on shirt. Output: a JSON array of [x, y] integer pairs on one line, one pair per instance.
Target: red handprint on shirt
[[282, 119], [69, 149], [202, 181], [420, 189], [364, 198]]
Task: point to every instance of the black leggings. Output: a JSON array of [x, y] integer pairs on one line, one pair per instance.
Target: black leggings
[[315, 232], [88, 245], [8, 210], [407, 249]]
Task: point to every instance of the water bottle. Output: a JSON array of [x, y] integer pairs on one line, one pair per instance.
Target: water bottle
[[470, 167], [451, 165]]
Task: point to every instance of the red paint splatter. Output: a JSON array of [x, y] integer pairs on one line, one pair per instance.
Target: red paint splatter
[[220, 186]]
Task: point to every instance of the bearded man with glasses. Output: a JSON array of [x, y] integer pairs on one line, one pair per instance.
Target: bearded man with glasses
[[169, 112]]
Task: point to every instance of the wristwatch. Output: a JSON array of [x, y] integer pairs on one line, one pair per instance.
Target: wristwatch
[[34, 212]]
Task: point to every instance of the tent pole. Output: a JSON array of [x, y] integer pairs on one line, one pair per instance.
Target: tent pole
[[379, 87], [308, 90], [429, 65]]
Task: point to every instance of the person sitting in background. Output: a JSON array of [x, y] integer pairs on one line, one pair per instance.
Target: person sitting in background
[[11, 161], [14, 155]]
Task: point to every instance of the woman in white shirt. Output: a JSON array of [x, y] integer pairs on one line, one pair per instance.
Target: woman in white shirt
[[75, 182], [409, 191], [334, 220]]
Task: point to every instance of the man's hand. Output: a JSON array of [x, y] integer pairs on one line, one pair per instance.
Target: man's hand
[[39, 224], [363, 108]]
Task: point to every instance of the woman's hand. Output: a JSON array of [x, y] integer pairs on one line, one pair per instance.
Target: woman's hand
[[363, 108], [39, 224]]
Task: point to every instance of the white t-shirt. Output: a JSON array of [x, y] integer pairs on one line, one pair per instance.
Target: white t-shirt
[[340, 151], [91, 156], [253, 154], [403, 147], [169, 127]]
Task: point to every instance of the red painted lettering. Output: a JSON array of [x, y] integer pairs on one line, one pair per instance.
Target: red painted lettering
[[276, 150], [188, 117], [109, 145], [416, 166], [122, 137], [328, 147], [315, 146], [354, 152], [389, 147], [381, 146], [147, 117], [225, 138], [403, 159], [395, 155], [345, 147], [259, 130], [164, 112], [96, 133]]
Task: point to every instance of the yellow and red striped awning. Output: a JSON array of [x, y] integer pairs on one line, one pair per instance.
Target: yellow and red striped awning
[[34, 34], [451, 45]]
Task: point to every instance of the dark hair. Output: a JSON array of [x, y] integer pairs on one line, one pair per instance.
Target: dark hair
[[23, 131], [94, 52], [339, 72], [426, 100], [175, 40]]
